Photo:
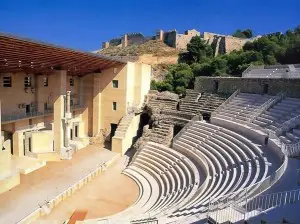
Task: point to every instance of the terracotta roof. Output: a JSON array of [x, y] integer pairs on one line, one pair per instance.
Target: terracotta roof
[[22, 54]]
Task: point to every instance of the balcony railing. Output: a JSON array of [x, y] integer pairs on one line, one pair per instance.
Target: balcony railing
[[22, 115], [17, 116], [78, 106]]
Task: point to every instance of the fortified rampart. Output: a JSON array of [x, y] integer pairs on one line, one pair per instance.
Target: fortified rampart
[[228, 85], [221, 44], [126, 40]]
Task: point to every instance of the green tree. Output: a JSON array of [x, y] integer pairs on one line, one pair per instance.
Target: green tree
[[248, 33], [219, 65], [238, 33], [197, 51], [161, 86], [202, 69], [180, 75]]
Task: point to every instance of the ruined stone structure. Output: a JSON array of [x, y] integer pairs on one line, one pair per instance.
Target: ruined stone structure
[[168, 114], [126, 40], [196, 102], [175, 39], [221, 44]]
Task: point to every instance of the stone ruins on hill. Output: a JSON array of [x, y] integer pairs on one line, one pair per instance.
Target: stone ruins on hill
[[169, 113], [221, 44]]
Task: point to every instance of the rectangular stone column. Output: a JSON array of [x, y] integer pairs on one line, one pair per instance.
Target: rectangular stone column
[[80, 90], [97, 104], [59, 109], [18, 146]]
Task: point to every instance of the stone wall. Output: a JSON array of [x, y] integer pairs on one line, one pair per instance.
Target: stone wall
[[223, 44], [127, 40], [227, 85], [170, 38], [136, 38], [183, 39], [233, 43]]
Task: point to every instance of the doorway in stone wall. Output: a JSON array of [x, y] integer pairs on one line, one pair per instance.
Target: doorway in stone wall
[[76, 131], [216, 86], [113, 128], [266, 88], [27, 108], [177, 128]]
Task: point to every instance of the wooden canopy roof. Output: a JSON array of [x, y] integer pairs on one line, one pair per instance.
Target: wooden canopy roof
[[20, 54]]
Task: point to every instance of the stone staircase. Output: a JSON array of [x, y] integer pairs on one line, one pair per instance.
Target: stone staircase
[[195, 102], [210, 102], [162, 133], [123, 125], [162, 104]]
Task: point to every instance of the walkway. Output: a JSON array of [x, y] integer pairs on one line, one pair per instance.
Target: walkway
[[108, 194], [45, 183]]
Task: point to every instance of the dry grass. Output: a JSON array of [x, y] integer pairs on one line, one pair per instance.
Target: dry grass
[[155, 47]]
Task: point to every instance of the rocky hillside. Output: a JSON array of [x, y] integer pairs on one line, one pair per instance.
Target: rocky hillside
[[153, 52], [154, 47]]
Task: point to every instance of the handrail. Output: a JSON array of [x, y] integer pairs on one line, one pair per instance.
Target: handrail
[[17, 116], [258, 204], [258, 187], [247, 69], [289, 149], [289, 124], [229, 99], [273, 75], [32, 127], [292, 149], [255, 113], [265, 106]]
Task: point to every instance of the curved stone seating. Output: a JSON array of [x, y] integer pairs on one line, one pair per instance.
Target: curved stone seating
[[189, 169], [181, 171], [242, 105], [273, 119], [172, 179], [235, 167], [169, 178]]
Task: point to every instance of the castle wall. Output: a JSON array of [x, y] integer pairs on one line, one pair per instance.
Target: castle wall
[[170, 38], [223, 44], [136, 38], [228, 85], [233, 43]]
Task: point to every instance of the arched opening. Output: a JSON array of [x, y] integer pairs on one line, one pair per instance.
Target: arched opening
[[176, 129], [144, 120], [206, 116]]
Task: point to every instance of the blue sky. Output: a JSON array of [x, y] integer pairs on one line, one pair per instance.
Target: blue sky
[[84, 24]]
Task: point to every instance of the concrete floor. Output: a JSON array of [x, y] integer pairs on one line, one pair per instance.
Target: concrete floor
[[108, 194], [45, 183]]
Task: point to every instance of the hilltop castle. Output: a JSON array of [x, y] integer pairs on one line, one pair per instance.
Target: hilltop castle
[[221, 44]]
